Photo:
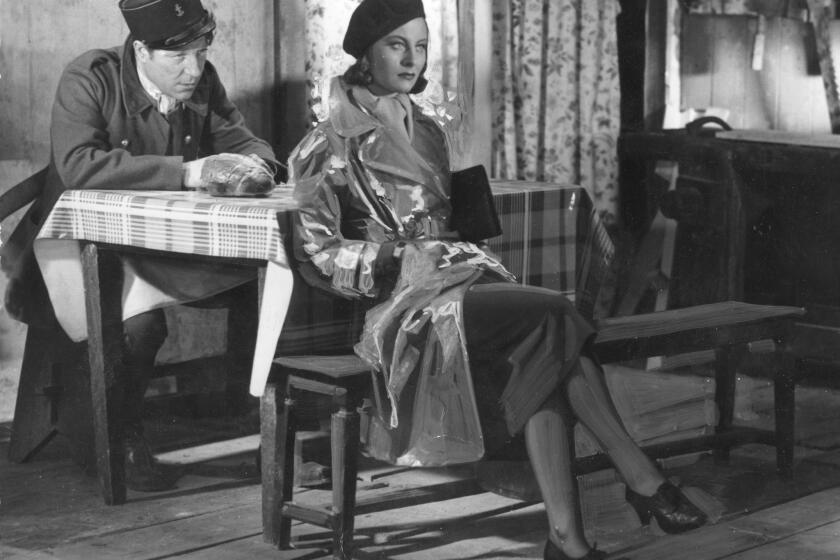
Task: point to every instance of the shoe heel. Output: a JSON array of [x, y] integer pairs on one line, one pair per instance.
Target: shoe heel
[[637, 503], [644, 516]]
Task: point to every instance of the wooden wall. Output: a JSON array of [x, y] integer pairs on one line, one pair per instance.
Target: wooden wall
[[786, 93]]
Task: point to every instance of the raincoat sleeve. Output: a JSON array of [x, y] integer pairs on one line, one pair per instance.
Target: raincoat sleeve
[[323, 189]]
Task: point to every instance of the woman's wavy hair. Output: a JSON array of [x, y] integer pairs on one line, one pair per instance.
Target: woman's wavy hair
[[358, 74]]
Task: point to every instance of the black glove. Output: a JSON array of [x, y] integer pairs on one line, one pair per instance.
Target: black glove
[[386, 267]]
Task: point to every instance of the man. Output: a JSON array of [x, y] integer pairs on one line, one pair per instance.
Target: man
[[154, 115]]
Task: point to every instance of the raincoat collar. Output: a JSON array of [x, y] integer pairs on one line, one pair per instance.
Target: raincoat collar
[[346, 118], [136, 99], [389, 152]]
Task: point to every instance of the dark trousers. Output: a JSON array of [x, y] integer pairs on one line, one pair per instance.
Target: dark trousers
[[144, 335]]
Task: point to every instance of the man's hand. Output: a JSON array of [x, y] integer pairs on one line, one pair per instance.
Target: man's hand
[[229, 175]]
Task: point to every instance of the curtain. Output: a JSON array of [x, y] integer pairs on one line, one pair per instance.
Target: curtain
[[556, 95]]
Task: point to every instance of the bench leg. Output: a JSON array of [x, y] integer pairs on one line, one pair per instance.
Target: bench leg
[[34, 423], [277, 432], [725, 380], [784, 392], [345, 453]]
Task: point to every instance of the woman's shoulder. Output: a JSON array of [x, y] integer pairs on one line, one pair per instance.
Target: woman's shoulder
[[426, 122], [318, 140]]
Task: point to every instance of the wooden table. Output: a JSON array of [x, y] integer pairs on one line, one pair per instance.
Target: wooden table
[[85, 224]]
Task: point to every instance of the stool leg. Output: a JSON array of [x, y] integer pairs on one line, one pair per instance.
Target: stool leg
[[277, 432], [784, 393], [345, 453], [725, 395]]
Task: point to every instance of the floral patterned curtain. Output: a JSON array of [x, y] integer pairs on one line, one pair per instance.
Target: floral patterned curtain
[[556, 95], [326, 22]]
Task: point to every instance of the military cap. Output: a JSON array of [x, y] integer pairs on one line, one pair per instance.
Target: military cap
[[167, 24], [373, 19]]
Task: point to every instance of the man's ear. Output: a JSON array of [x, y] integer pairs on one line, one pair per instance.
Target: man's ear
[[141, 51]]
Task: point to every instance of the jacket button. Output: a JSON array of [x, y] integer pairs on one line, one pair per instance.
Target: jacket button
[[187, 139], [124, 143]]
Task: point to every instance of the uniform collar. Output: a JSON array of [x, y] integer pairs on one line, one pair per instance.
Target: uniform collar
[[134, 95], [165, 103]]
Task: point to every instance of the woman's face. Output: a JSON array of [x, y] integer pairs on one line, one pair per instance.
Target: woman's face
[[397, 59]]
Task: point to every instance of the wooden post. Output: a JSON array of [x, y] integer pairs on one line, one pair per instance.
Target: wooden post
[[475, 53], [292, 111], [820, 19]]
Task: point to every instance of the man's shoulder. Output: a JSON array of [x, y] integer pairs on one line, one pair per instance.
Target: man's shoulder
[[94, 58]]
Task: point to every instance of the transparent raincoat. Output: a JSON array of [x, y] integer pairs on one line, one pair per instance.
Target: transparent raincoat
[[361, 184]]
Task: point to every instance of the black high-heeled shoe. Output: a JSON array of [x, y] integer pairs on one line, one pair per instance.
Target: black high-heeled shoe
[[552, 552], [670, 507]]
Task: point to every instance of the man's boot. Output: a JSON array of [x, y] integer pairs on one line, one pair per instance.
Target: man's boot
[[142, 472], [144, 335]]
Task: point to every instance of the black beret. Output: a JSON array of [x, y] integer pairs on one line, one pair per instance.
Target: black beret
[[373, 19], [167, 24]]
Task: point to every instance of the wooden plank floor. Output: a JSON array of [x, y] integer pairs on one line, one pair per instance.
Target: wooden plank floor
[[50, 509]]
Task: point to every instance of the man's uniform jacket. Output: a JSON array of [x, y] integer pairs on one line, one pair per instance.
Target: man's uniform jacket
[[106, 133]]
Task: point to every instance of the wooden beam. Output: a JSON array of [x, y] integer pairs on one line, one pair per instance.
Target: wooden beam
[[292, 112], [475, 53], [820, 19]]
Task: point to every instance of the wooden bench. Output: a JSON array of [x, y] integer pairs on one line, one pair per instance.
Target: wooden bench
[[727, 328]]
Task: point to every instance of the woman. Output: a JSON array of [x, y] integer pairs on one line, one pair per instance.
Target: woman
[[373, 186]]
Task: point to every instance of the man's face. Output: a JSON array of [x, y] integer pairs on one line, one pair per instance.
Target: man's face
[[175, 72]]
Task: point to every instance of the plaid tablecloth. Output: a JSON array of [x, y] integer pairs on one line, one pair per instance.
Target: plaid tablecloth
[[552, 237], [173, 221]]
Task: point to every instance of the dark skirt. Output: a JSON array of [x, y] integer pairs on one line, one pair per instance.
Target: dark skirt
[[499, 318]]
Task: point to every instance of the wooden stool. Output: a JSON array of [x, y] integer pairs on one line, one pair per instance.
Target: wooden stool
[[346, 380]]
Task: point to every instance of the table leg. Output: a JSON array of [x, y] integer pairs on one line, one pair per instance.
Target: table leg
[[274, 304], [104, 352]]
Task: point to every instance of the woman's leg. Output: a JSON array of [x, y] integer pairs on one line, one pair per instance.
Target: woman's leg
[[498, 317], [591, 403], [649, 493], [550, 451]]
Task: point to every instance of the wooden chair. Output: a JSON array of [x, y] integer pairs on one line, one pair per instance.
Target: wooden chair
[[47, 354], [727, 328]]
